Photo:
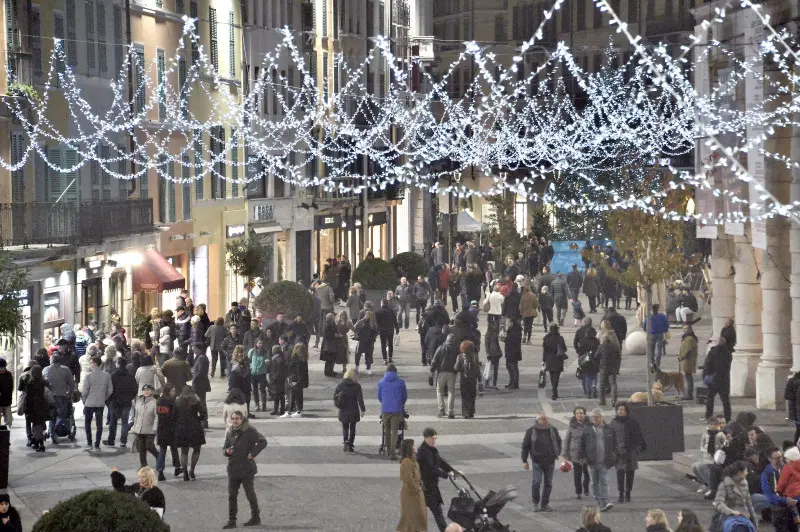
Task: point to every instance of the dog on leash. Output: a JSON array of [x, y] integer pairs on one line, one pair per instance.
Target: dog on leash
[[672, 379], [641, 397]]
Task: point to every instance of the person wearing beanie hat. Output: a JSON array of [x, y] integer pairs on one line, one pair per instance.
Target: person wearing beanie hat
[[9, 517], [6, 392], [789, 481]]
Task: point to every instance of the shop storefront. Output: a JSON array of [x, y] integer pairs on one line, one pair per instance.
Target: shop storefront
[[156, 282], [56, 305], [331, 239], [378, 235]]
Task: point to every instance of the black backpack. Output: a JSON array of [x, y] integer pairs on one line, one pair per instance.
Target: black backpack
[[337, 397]]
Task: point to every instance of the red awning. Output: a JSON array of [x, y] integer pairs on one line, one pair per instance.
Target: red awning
[[156, 274]]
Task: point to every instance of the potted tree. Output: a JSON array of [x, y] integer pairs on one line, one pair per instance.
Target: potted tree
[[409, 264], [376, 277], [287, 298], [101, 510], [248, 257]]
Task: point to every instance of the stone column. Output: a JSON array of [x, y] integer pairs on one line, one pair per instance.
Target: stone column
[[748, 319], [794, 247], [723, 289]]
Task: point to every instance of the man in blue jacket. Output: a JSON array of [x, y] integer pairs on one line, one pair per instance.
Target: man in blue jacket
[[768, 498], [392, 394], [659, 325]]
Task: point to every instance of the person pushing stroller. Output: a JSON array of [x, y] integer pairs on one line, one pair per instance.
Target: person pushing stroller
[[432, 467]]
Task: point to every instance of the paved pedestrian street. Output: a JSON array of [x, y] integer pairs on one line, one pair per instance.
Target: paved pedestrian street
[[306, 482]]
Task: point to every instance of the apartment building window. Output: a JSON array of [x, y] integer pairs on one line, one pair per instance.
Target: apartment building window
[[335, 18], [581, 13], [144, 186], [72, 37], [179, 6], [324, 18], [668, 8], [382, 88], [566, 16], [500, 28], [369, 76], [651, 9], [119, 49], [231, 45], [597, 17], [17, 176], [162, 175], [94, 167], [212, 26], [122, 166], [276, 87], [278, 186], [255, 187], [276, 13], [290, 13], [91, 46], [102, 60], [171, 193], [381, 18], [36, 43], [162, 89], [217, 142], [244, 6], [234, 165], [616, 7], [182, 87], [195, 51], [290, 87], [12, 31], [633, 11], [370, 18], [105, 177], [325, 75], [59, 182], [141, 94], [467, 33], [198, 164], [58, 32], [186, 188], [597, 63]]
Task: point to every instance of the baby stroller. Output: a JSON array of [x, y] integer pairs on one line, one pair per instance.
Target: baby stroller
[[480, 515], [400, 434], [64, 426]]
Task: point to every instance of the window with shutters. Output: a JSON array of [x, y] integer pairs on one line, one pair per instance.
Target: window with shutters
[[382, 88], [324, 18], [275, 89], [370, 18], [231, 45], [566, 16], [119, 49], [58, 33], [212, 25], [102, 60], [36, 43], [94, 168], [234, 165], [105, 177], [172, 212], [12, 31], [186, 188], [276, 21], [62, 182], [72, 37], [163, 184], [580, 9], [290, 14], [325, 75], [199, 190], [144, 186], [217, 145], [54, 177], [17, 176], [161, 89], [368, 76], [633, 11], [179, 6], [91, 46], [290, 87], [651, 10], [195, 50], [381, 18], [138, 67], [122, 169], [184, 105], [500, 28]]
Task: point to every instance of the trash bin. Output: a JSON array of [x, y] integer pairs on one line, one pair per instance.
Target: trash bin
[[5, 444]]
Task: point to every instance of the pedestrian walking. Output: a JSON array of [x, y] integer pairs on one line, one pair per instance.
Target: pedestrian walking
[[96, 390], [149, 373], [443, 374], [239, 375], [542, 444], [388, 325], [145, 419], [629, 442], [546, 307], [242, 445], [659, 327], [229, 344], [165, 432], [278, 372], [190, 414], [574, 282], [574, 451], [200, 381], [125, 391], [687, 360], [493, 305], [343, 327], [330, 344], [177, 371], [258, 358], [609, 358], [560, 293], [493, 352], [413, 517], [298, 379], [405, 296], [366, 330], [215, 335], [528, 305], [590, 519], [432, 467], [38, 407], [717, 377], [61, 384], [392, 394], [234, 402], [353, 304], [513, 347], [733, 498], [349, 399], [422, 292], [469, 366], [84, 362], [598, 448], [554, 352], [251, 336]]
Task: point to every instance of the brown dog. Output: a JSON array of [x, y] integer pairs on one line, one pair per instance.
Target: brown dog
[[673, 379]]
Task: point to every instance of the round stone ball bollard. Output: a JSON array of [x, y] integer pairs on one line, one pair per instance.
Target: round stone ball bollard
[[636, 343]]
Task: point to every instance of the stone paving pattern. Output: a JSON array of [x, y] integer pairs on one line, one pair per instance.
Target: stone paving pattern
[[306, 482]]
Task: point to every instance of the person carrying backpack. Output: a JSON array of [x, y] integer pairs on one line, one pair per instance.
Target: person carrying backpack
[[468, 364]]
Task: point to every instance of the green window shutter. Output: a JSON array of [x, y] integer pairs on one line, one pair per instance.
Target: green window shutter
[[95, 173], [171, 193], [72, 37], [199, 191], [222, 169], [234, 166], [101, 38], [186, 187], [18, 176], [141, 94], [212, 24], [54, 177], [71, 177], [232, 45], [181, 87], [195, 51], [162, 103]]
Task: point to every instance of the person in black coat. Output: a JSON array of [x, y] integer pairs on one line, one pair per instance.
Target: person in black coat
[[717, 377], [125, 391], [197, 336], [388, 326], [165, 431], [37, 409], [145, 489], [9, 516], [513, 348], [618, 323], [729, 333], [554, 351], [511, 303], [629, 443], [432, 467], [278, 371], [242, 444], [298, 378], [190, 414], [435, 337], [200, 381], [330, 344], [366, 333], [349, 399]]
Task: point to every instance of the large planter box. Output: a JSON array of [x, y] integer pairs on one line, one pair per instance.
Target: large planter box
[[662, 428]]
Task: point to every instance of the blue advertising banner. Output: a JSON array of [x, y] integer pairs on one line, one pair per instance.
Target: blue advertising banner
[[568, 252]]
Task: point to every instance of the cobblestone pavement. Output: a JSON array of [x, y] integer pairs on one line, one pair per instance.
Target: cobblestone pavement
[[306, 482]]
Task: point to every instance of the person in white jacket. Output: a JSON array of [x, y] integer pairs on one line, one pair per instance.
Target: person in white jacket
[[164, 345], [145, 423], [495, 300], [149, 373], [85, 362]]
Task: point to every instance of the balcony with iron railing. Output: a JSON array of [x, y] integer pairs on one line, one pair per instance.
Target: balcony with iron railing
[[669, 24], [42, 223]]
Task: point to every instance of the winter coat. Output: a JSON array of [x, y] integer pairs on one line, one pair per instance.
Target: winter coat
[[147, 375], [165, 346], [59, 379], [386, 319], [250, 337], [353, 306], [492, 343], [433, 339], [278, 373], [609, 357], [215, 336], [575, 281], [85, 362], [718, 364], [152, 497], [469, 366], [529, 443], [729, 333], [177, 373], [200, 381], [513, 344], [551, 344], [590, 286], [97, 389], [145, 416], [37, 409], [413, 513], [198, 335], [366, 336], [392, 393], [298, 371], [109, 363], [330, 342], [241, 443], [183, 329], [351, 401], [589, 445], [629, 442], [735, 497], [258, 361], [189, 417], [511, 305], [422, 291], [559, 290], [792, 395], [789, 480], [13, 523], [495, 304], [125, 388], [432, 467], [619, 325], [445, 356], [239, 377], [687, 358], [404, 293], [229, 343], [165, 430], [529, 305], [590, 345], [327, 299], [465, 328], [546, 302], [573, 441]]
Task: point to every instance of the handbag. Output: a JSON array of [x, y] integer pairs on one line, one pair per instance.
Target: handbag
[[397, 339], [22, 403], [354, 345], [708, 380], [487, 372], [542, 378], [561, 353]]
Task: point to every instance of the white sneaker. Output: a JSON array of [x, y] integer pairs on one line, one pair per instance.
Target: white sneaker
[[369, 372], [702, 490], [285, 414], [297, 414]]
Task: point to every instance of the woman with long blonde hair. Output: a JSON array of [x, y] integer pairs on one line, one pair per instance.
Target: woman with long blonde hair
[[590, 519], [349, 399], [656, 521]]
